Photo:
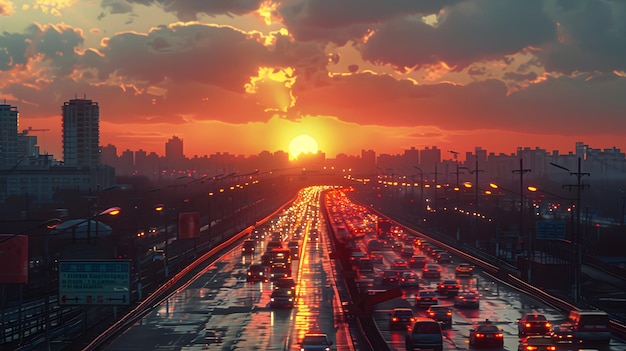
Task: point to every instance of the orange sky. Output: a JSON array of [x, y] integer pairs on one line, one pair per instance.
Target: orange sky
[[245, 77]]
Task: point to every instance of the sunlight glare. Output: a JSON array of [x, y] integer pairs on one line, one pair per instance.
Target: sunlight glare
[[302, 144]]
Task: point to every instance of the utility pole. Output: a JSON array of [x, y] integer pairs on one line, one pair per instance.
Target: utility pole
[[577, 237], [475, 171], [435, 205], [456, 161], [521, 171]]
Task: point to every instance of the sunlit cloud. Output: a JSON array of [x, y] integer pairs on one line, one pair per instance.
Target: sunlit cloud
[[272, 87], [52, 7], [7, 8]]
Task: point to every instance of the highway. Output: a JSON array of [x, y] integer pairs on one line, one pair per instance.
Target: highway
[[220, 310]]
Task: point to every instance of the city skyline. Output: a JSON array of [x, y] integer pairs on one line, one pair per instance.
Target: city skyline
[[247, 77]]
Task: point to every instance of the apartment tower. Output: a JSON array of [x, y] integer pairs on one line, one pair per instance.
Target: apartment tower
[[81, 133]]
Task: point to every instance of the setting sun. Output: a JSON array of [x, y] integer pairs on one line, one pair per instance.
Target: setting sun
[[302, 144]]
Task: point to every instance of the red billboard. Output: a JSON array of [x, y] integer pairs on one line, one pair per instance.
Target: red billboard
[[188, 225], [13, 259]]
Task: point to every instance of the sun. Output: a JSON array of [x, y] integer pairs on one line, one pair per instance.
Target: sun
[[302, 144]]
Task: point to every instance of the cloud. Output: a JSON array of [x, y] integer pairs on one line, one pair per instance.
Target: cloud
[[341, 21], [188, 10], [567, 105], [592, 37], [465, 33], [7, 8]]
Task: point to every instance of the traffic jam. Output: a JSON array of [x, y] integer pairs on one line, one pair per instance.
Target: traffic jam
[[471, 310]]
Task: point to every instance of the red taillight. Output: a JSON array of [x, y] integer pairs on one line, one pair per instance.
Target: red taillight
[[499, 335], [478, 335], [548, 325], [394, 319], [551, 348], [449, 313], [431, 313], [531, 348], [527, 325]]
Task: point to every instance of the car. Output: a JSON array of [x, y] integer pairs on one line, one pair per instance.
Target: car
[[401, 318], [274, 244], [282, 298], [286, 282], [467, 299], [397, 246], [448, 288], [158, 255], [537, 343], [533, 324], [424, 334], [391, 277], [425, 298], [257, 235], [399, 264], [315, 342], [443, 258], [442, 314], [590, 326], [464, 270], [486, 334], [376, 258], [279, 270], [418, 261], [257, 272], [409, 279], [248, 247], [152, 231], [407, 251], [431, 270], [563, 333]]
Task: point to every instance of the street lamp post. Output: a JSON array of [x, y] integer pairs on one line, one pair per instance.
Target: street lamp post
[[211, 195], [577, 239], [421, 205], [162, 210], [474, 222], [521, 171]]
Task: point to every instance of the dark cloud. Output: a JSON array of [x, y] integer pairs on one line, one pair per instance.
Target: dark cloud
[[188, 10], [466, 33], [340, 21], [563, 105], [592, 37], [54, 45], [212, 55]]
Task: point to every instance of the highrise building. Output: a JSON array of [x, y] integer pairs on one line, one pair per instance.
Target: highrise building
[[81, 133], [8, 136]]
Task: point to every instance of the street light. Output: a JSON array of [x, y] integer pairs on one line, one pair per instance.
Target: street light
[[162, 210], [577, 239], [421, 206]]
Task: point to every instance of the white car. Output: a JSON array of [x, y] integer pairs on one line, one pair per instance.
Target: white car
[[315, 342]]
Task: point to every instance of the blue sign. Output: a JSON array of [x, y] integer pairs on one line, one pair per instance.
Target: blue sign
[[97, 282], [550, 230]]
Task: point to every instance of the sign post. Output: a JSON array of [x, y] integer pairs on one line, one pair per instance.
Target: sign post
[[94, 282]]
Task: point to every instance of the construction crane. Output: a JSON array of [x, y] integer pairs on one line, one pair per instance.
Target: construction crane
[[31, 129]]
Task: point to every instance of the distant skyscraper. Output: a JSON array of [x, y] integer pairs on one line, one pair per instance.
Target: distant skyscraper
[[174, 148], [81, 133], [8, 136]]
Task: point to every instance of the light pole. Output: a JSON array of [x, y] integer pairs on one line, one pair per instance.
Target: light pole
[[475, 171], [421, 205], [577, 239], [162, 210], [521, 171], [211, 195]]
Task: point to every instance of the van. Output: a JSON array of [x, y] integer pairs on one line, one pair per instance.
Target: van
[[591, 326], [424, 334]]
